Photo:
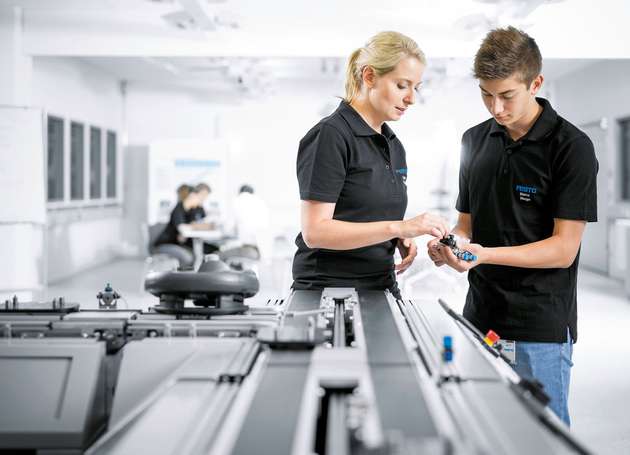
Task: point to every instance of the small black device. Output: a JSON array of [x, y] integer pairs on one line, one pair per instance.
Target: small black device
[[449, 241]]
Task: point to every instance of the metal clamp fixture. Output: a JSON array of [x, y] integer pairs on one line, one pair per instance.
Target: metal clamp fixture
[[108, 298]]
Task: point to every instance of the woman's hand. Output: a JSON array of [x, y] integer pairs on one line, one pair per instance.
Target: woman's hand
[[408, 252], [433, 250], [426, 223]]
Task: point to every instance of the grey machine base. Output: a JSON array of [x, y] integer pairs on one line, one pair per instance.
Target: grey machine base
[[331, 372]]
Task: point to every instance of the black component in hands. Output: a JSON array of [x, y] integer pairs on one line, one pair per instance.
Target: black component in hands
[[449, 241]]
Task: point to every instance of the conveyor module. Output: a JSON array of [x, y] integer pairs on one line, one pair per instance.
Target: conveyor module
[[337, 371]]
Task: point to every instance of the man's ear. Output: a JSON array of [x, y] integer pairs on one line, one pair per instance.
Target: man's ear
[[368, 76], [536, 84]]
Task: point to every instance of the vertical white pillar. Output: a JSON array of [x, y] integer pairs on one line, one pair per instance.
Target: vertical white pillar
[[17, 68], [627, 269], [22, 228]]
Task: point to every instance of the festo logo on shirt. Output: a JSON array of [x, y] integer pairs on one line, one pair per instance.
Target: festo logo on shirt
[[403, 173], [525, 192]]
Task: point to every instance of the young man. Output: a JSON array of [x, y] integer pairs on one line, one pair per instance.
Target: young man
[[527, 187]]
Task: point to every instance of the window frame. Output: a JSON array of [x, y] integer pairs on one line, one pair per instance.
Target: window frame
[[83, 160], [49, 117], [624, 159], [109, 133], [96, 188], [86, 201]]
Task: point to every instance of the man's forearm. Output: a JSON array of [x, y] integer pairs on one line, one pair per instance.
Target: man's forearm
[[201, 226], [553, 252], [461, 231]]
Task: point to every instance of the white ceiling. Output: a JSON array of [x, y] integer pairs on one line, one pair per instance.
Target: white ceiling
[[249, 75], [199, 73], [229, 44], [283, 28]]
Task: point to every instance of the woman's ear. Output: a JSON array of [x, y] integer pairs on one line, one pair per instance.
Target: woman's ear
[[368, 76]]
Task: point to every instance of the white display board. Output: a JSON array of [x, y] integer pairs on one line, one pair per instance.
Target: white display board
[[22, 174]]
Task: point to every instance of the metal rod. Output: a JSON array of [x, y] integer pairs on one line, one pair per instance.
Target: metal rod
[[337, 435], [339, 334]]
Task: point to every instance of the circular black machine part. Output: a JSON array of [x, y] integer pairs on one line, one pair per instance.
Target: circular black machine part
[[215, 289]]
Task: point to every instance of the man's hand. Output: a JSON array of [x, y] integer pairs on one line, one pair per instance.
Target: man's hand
[[447, 257], [408, 252]]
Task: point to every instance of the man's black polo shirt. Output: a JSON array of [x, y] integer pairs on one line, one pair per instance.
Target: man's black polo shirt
[[343, 160], [513, 191]]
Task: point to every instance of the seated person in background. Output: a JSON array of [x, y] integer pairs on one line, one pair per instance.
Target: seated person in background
[[188, 212]]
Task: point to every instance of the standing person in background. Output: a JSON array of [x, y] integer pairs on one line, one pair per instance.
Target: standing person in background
[[251, 222], [351, 171], [527, 188]]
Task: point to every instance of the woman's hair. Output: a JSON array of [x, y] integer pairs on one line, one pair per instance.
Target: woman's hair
[[382, 53], [183, 191]]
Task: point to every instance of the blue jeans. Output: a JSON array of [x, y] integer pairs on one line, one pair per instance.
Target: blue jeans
[[549, 363]]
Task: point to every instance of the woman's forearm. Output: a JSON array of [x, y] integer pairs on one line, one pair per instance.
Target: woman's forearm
[[343, 235]]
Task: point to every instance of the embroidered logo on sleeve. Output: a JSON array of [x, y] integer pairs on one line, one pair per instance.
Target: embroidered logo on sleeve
[[403, 173]]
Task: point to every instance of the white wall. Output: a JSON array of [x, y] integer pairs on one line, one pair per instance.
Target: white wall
[[598, 91], [77, 90], [134, 230], [23, 218], [263, 134], [155, 113], [22, 268], [17, 68], [431, 133], [601, 91], [81, 237]]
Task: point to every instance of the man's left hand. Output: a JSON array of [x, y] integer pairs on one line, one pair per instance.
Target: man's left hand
[[408, 252], [447, 256]]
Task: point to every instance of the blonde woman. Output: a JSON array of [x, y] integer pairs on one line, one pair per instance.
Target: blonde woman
[[352, 169]]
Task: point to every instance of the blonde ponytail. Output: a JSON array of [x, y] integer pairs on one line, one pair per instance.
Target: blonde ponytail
[[382, 53], [353, 76]]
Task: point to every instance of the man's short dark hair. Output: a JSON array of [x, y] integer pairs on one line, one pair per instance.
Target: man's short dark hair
[[508, 51], [199, 187], [246, 189]]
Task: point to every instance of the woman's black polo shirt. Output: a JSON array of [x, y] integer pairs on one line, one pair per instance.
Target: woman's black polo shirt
[[343, 160], [179, 215], [513, 191]]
